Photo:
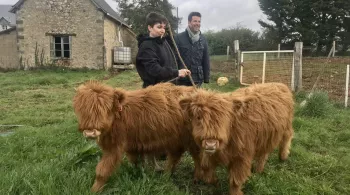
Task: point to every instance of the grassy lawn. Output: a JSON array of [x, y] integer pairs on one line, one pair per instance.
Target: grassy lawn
[[47, 155]]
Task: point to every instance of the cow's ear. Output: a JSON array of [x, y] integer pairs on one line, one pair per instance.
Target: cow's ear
[[238, 105], [119, 95], [185, 103]]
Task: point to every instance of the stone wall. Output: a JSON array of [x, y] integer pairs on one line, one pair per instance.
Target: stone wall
[[129, 39], [8, 50], [111, 40], [39, 20]]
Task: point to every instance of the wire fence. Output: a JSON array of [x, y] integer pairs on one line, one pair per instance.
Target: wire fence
[[275, 66], [266, 66], [332, 74]]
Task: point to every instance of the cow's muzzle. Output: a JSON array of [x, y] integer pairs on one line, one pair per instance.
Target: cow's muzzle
[[210, 145], [92, 134]]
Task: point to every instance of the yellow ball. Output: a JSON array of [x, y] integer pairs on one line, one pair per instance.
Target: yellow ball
[[222, 81]]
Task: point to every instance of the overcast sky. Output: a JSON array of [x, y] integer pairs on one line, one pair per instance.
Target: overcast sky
[[219, 14], [216, 14]]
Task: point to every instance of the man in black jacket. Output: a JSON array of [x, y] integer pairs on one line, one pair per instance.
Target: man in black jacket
[[193, 49], [155, 61]]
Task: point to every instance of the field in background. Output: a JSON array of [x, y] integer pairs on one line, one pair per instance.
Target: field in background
[[45, 155], [333, 75], [220, 66], [332, 72]]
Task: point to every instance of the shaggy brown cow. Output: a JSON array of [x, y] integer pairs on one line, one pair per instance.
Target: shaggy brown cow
[[146, 121], [234, 129]]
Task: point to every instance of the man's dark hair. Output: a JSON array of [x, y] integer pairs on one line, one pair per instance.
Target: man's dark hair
[[154, 18], [193, 14]]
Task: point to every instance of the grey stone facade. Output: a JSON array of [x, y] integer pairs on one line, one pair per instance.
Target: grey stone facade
[[8, 49], [71, 33]]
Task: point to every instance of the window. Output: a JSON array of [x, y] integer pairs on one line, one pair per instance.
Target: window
[[4, 27], [61, 47]]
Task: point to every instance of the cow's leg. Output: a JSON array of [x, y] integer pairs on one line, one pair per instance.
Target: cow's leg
[[285, 145], [209, 175], [152, 159], [260, 162], [133, 158], [104, 169], [198, 175], [173, 159], [195, 154], [239, 170], [208, 168]]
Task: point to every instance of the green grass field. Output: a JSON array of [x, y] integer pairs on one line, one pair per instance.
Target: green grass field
[[47, 155]]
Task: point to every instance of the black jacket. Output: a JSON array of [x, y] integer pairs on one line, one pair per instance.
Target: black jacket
[[155, 61], [195, 56]]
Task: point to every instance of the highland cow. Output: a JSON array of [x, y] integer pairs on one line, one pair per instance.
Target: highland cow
[[141, 122], [235, 128]]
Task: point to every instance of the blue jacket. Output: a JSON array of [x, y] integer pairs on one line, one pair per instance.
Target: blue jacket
[[195, 56]]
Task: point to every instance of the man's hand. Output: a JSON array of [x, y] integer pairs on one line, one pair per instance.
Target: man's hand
[[184, 72]]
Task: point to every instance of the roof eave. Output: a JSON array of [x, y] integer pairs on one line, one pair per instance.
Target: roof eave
[[105, 12], [15, 6], [8, 30], [122, 23]]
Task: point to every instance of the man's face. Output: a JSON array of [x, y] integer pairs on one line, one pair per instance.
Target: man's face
[[195, 24]]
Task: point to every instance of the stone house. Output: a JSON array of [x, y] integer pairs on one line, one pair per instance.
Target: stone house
[[7, 19], [8, 50], [4, 24], [71, 33]]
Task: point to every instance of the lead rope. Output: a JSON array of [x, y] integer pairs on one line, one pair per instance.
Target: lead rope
[[178, 54]]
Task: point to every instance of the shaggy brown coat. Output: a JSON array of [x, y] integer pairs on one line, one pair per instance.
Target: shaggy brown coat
[[146, 121], [234, 129]]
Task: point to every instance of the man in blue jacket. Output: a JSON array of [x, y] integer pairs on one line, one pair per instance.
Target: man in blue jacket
[[193, 49]]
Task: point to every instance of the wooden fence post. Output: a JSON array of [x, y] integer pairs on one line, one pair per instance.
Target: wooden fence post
[[298, 66], [347, 85], [238, 59], [227, 53]]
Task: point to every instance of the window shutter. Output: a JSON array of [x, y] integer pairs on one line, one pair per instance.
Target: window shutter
[[52, 47], [70, 47]]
